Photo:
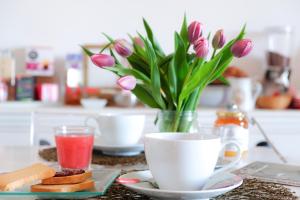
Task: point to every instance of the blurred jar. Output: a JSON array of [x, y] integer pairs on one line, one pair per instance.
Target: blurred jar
[[234, 126]]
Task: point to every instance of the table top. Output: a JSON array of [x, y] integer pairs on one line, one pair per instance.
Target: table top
[[14, 158]]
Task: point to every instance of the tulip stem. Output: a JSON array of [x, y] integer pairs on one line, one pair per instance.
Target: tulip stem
[[187, 49], [214, 53], [105, 47]]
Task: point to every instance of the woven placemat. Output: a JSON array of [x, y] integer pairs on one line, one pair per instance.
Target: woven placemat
[[117, 191], [251, 189], [99, 158]]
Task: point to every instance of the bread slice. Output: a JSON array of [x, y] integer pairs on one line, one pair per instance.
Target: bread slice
[[78, 178], [88, 184], [12, 180]]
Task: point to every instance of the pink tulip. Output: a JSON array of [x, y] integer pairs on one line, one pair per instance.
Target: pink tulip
[[241, 48], [127, 82], [138, 41], [219, 39], [201, 47], [123, 48], [103, 60], [195, 30]]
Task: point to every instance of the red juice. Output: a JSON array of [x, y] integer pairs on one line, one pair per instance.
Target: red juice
[[74, 151]]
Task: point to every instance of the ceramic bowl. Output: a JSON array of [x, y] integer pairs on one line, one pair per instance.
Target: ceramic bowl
[[214, 96], [274, 102], [92, 103]]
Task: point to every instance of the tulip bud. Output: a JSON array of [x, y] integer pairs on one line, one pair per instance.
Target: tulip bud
[[218, 40], [241, 48], [103, 60], [201, 47], [138, 41], [195, 31], [127, 82], [123, 48]]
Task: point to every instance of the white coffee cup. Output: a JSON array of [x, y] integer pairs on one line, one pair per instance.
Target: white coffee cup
[[244, 92], [182, 161], [119, 129]]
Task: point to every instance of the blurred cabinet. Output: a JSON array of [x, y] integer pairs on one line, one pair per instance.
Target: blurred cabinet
[[15, 128], [19, 127]]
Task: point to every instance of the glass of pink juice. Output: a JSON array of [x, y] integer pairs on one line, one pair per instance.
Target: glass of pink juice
[[74, 146]]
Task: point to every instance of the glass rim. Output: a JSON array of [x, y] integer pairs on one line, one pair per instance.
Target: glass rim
[[188, 112], [73, 129], [181, 136]]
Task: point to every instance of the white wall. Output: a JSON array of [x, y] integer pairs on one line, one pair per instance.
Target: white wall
[[64, 24]]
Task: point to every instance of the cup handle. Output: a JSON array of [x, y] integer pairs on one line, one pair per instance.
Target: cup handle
[[233, 162], [94, 118], [257, 90]]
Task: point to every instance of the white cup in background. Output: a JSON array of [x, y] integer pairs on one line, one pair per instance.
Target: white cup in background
[[119, 129]]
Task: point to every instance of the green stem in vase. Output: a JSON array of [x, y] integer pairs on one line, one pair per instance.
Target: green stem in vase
[[176, 122]]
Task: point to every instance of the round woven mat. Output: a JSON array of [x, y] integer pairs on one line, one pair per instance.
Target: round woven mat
[[251, 189], [99, 158]]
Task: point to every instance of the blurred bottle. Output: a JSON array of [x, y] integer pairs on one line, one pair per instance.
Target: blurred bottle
[[7, 66], [3, 91], [73, 79], [277, 76], [7, 75]]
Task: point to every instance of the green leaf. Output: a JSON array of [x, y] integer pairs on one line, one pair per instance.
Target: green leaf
[[154, 74], [172, 81], [191, 58], [165, 90], [224, 80], [179, 61], [163, 64], [138, 63], [192, 99], [109, 38], [200, 77], [184, 31], [221, 69], [159, 52], [145, 96], [88, 52]]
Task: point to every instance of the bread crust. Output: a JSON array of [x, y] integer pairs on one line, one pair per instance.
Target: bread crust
[[88, 184], [78, 178]]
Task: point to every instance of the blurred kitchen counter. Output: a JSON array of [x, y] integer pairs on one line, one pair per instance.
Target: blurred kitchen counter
[[16, 122], [28, 106]]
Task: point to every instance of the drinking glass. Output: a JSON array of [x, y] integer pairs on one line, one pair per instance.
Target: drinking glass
[[74, 146]]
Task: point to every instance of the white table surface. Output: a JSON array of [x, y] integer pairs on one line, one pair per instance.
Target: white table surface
[[13, 158]]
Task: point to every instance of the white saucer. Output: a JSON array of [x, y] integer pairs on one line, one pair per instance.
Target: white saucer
[[216, 185], [113, 150]]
